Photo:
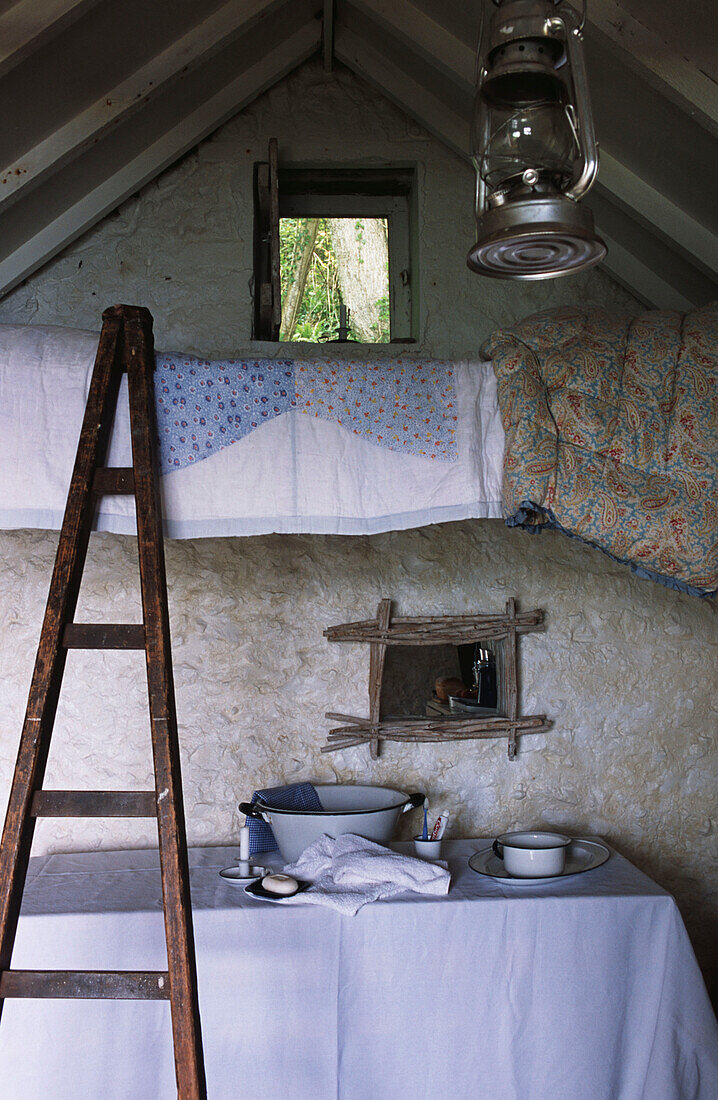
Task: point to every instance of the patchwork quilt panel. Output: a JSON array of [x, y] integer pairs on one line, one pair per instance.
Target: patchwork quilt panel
[[205, 405], [253, 446]]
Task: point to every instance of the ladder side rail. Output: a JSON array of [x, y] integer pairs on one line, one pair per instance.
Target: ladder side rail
[[139, 363], [51, 655]]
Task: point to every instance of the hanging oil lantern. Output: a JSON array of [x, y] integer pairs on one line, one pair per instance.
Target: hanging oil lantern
[[533, 144]]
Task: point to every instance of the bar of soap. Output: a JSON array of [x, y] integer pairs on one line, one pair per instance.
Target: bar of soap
[[284, 885]]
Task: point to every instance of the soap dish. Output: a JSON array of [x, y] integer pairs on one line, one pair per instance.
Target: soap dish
[[234, 876], [257, 891]]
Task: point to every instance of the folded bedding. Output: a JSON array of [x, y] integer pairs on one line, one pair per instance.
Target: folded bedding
[[612, 435], [600, 425], [252, 446]]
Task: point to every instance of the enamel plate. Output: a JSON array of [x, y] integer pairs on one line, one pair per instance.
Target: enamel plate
[[583, 855]]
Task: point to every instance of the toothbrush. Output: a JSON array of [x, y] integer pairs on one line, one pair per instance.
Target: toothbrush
[[425, 833]]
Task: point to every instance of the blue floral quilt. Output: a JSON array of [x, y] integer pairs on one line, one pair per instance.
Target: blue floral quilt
[[204, 405]]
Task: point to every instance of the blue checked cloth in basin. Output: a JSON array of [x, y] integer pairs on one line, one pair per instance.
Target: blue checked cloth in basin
[[296, 796]]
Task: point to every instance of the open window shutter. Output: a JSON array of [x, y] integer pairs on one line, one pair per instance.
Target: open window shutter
[[274, 239], [268, 289]]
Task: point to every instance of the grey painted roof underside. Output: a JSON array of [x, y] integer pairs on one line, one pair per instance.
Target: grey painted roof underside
[[100, 96]]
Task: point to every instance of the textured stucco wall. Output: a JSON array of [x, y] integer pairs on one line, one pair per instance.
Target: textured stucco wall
[[626, 669], [183, 247]]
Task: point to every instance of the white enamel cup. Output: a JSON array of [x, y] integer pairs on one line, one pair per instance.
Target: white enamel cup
[[427, 849], [532, 854]]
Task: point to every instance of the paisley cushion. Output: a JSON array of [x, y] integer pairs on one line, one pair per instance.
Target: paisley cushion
[[612, 435]]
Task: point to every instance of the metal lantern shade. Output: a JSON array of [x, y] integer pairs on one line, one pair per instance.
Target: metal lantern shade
[[533, 145]]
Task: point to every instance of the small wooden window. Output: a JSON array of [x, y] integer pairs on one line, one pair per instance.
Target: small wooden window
[[385, 195]]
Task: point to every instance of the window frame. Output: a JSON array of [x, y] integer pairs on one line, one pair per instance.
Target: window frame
[[307, 191]]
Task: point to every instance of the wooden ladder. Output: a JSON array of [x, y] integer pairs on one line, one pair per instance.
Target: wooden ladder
[[126, 344]]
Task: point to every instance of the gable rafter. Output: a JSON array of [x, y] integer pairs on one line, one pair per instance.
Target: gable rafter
[[256, 75], [652, 208], [194, 48], [657, 62], [424, 36], [412, 95], [640, 278], [28, 25]]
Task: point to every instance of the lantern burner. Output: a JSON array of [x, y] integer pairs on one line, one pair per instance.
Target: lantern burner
[[536, 238]]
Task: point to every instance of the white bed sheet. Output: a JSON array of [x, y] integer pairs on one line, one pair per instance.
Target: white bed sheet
[[294, 474]]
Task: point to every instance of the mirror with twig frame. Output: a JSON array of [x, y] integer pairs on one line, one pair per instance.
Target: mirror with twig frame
[[438, 678]]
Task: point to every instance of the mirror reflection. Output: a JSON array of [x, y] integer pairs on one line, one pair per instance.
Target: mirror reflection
[[442, 681]]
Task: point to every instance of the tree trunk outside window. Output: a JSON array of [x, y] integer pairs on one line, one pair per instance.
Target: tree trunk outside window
[[293, 298], [362, 253]]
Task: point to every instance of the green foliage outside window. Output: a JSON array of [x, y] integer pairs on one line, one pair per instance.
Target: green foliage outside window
[[318, 316], [316, 278]]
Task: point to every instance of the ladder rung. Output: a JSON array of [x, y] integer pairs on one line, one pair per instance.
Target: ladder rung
[[104, 636], [113, 479], [94, 804], [120, 985]]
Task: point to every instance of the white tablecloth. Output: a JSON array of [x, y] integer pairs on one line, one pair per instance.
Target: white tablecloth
[[585, 990]]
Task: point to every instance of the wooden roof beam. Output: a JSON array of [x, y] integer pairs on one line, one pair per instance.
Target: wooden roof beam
[[255, 78], [424, 36], [641, 49], [412, 96], [29, 24], [195, 47], [652, 208], [641, 279], [657, 62]]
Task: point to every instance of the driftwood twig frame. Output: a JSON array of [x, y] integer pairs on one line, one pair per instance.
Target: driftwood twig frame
[[457, 630]]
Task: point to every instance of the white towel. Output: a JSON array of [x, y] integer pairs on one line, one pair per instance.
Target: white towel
[[348, 871]]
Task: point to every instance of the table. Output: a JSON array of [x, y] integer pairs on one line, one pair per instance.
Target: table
[[585, 990]]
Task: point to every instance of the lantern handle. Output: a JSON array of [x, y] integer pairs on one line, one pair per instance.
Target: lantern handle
[[572, 31]]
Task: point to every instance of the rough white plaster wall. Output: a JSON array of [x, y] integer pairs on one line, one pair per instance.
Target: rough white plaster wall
[[183, 246], [626, 669]]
